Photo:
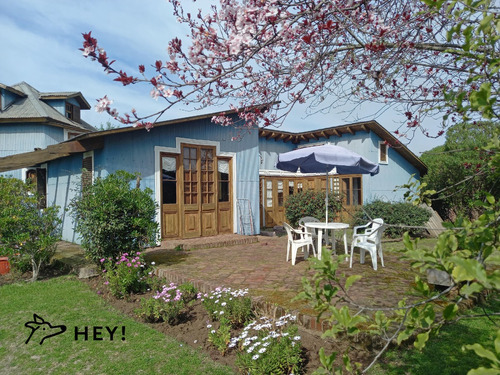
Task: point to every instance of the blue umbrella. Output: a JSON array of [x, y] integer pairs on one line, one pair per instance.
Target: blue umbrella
[[323, 158]]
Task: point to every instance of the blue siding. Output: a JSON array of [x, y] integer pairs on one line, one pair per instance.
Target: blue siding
[[381, 186], [63, 184], [8, 98], [134, 152], [25, 137]]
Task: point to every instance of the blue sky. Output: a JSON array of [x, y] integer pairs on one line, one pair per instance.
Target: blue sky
[[40, 41]]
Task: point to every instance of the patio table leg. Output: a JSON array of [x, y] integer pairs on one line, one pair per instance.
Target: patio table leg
[[320, 242]]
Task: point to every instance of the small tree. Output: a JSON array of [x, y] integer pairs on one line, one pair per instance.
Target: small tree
[[25, 229], [112, 217]]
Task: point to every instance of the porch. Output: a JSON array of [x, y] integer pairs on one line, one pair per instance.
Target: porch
[[258, 263]]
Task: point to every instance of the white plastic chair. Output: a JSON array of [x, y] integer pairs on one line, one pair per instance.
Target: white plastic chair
[[309, 219], [303, 241], [370, 240]]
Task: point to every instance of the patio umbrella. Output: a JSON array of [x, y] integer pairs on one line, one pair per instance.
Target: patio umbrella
[[323, 158]]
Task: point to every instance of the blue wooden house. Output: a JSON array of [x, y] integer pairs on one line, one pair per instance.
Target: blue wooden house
[[30, 119], [205, 182]]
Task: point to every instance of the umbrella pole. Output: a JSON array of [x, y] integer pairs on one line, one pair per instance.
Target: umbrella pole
[[326, 197]]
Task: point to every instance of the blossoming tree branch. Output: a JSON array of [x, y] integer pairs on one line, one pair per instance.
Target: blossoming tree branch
[[246, 53]]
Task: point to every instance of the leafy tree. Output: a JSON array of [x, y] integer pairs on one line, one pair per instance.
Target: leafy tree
[[325, 53], [113, 218], [429, 57], [24, 229], [459, 170]]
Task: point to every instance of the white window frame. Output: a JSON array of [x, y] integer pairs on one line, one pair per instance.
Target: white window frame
[[380, 145]]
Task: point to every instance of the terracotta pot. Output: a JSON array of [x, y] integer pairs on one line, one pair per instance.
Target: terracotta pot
[[4, 265]]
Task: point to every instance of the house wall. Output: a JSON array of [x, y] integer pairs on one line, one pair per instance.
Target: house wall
[[134, 151], [8, 98], [60, 104], [381, 186], [17, 138]]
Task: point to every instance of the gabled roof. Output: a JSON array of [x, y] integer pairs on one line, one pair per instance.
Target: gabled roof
[[31, 107], [339, 131], [94, 140]]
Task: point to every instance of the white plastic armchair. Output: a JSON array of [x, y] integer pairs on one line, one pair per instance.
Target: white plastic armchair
[[309, 219], [370, 240], [302, 241]]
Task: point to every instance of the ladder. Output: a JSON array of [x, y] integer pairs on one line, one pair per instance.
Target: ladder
[[246, 217]]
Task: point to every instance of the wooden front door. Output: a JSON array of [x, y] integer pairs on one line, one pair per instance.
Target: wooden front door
[[199, 191], [196, 193]]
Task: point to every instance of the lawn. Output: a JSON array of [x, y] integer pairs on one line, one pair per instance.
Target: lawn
[[443, 354], [138, 349]]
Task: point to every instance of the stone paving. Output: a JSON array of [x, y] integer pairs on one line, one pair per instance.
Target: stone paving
[[262, 268], [259, 264]]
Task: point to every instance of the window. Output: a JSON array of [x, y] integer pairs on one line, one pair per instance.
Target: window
[[290, 187], [269, 193], [189, 159], [37, 179], [87, 169], [169, 179], [223, 176], [280, 193], [73, 112], [383, 149]]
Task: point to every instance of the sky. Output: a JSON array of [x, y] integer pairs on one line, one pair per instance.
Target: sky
[[40, 41]]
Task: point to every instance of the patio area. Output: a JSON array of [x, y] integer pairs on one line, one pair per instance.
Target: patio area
[[258, 263]]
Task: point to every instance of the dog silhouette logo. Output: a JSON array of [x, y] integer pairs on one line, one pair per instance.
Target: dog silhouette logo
[[41, 330]]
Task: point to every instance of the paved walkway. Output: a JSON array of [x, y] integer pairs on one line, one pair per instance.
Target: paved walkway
[[259, 264], [262, 268]]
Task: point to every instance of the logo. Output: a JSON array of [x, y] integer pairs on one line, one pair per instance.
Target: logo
[[41, 330]]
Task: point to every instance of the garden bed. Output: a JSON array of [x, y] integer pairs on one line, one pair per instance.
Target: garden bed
[[191, 328]]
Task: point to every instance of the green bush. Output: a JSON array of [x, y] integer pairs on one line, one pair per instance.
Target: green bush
[[311, 203], [394, 214], [27, 233], [113, 218]]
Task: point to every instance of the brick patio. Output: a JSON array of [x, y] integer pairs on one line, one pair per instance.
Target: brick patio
[[258, 263]]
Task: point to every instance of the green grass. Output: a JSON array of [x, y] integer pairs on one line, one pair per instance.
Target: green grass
[[67, 301], [443, 354]]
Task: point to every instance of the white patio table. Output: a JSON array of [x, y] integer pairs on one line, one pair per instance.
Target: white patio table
[[325, 227]]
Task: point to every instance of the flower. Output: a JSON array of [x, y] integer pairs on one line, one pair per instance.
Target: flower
[[262, 350], [153, 263], [255, 357], [296, 338]]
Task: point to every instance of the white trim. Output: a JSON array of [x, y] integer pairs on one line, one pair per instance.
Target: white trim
[[383, 143], [177, 150]]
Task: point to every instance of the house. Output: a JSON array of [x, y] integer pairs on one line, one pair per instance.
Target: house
[[205, 182], [30, 119], [369, 139]]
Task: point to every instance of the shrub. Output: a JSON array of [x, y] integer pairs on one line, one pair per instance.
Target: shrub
[[128, 274], [311, 203], [112, 218], [28, 233], [166, 304], [394, 214], [271, 347]]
